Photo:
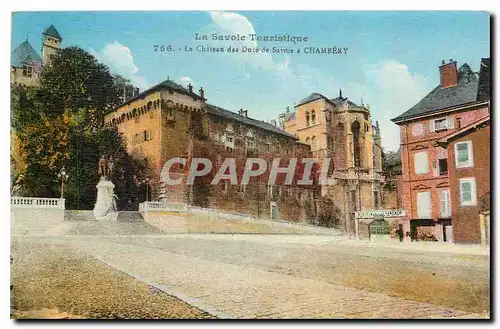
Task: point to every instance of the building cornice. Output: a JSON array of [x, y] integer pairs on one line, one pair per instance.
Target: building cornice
[[457, 108]]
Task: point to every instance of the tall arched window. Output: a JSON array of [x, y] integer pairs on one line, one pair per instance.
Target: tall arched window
[[313, 117], [307, 118], [355, 127]]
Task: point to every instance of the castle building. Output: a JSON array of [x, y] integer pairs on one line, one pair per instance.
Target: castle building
[[27, 64], [168, 121], [341, 130], [26, 67]]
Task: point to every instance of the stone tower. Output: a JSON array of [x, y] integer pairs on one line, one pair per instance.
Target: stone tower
[[51, 43], [341, 130]]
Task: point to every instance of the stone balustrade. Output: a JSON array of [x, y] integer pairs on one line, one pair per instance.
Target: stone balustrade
[[161, 206], [354, 176], [37, 203]]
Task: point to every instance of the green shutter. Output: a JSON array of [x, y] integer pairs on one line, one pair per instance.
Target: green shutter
[[463, 154], [466, 191]]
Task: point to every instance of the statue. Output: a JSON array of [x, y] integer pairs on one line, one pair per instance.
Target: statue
[[106, 199], [102, 166], [106, 167], [110, 168]]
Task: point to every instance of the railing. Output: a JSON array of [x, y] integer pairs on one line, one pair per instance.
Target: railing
[[161, 206], [36, 203], [362, 176]]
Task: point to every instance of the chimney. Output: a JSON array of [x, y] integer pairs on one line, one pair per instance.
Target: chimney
[[448, 74], [243, 113], [273, 122], [190, 88], [202, 93]]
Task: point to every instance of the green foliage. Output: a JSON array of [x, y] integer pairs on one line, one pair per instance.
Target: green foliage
[[328, 214], [45, 146], [23, 112], [76, 81], [87, 146], [60, 123]]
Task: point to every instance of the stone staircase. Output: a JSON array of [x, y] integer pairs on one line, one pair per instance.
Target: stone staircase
[[130, 216], [34, 221], [81, 215]]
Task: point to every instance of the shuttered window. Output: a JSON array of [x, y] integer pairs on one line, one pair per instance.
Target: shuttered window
[[421, 163], [468, 191], [463, 154], [424, 204], [445, 204], [441, 124]]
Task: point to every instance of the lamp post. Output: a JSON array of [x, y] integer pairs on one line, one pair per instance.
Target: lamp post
[[63, 176], [356, 220], [146, 181]]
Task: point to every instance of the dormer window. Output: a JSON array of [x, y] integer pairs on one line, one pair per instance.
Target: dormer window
[[441, 124]]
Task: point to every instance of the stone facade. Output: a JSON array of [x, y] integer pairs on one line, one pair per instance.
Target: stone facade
[[26, 63], [342, 131], [168, 121]]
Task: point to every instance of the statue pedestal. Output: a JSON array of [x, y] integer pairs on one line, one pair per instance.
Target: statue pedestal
[[104, 205]]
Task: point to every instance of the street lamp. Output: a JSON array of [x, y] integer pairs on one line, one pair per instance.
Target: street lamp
[[146, 181], [64, 177]]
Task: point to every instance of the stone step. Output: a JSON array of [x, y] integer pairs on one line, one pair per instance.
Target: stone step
[[79, 215], [130, 216]]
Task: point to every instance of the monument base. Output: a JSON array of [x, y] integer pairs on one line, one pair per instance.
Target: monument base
[[104, 205]]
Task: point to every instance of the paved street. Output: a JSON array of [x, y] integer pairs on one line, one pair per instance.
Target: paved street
[[295, 276]]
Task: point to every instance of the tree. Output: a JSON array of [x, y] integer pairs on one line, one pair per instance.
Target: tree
[[45, 148], [85, 152], [76, 81], [60, 122], [23, 112]]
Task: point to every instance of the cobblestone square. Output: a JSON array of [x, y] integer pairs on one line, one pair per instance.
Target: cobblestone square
[[245, 277]]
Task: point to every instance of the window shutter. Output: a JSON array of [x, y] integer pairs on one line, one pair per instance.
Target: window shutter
[[466, 195], [421, 163], [451, 123], [432, 126], [445, 203], [424, 204]]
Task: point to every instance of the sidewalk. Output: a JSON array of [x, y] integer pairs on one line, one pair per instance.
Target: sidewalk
[[471, 249]]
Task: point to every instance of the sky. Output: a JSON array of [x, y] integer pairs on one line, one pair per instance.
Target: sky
[[392, 59]]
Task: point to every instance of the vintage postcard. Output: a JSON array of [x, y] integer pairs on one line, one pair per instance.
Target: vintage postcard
[[250, 165]]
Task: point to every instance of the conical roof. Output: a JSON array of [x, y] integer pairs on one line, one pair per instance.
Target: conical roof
[[51, 31], [24, 53]]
